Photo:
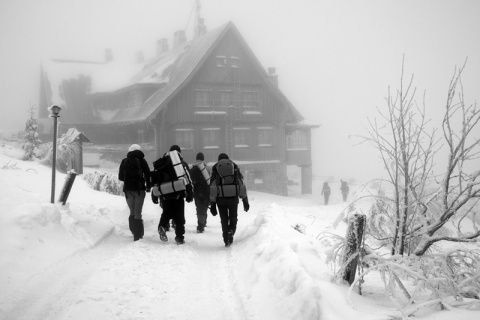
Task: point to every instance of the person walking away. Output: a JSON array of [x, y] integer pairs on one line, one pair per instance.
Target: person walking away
[[200, 174], [345, 189], [172, 203], [326, 192], [135, 174], [226, 187]]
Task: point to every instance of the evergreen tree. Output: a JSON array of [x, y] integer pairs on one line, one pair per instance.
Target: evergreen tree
[[31, 142]]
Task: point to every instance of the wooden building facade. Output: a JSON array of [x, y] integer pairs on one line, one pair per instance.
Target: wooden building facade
[[208, 95]]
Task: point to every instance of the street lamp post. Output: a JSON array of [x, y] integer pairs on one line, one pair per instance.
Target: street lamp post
[[54, 113]]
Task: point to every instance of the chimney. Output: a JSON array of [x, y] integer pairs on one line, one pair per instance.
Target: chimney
[[162, 46], [108, 55], [179, 38], [140, 58], [200, 28], [273, 76]]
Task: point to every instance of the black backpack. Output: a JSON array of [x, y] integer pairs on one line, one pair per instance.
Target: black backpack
[[133, 173], [163, 170]]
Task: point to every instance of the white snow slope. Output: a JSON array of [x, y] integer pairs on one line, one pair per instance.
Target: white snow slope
[[79, 260]]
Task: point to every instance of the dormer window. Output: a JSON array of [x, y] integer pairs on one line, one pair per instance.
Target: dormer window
[[221, 61], [235, 62]]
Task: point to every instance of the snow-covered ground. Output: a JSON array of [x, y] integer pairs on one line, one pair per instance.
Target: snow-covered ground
[[79, 261]]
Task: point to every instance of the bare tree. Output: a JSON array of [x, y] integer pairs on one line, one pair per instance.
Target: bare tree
[[419, 204]]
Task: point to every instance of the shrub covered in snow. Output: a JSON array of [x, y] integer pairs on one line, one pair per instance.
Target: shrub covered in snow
[[106, 182]]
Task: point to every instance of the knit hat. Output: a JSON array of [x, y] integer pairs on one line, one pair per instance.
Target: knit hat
[[134, 147], [222, 156], [175, 147], [200, 156]]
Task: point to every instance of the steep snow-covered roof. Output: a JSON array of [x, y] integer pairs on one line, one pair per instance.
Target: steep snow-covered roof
[[171, 71], [104, 77]]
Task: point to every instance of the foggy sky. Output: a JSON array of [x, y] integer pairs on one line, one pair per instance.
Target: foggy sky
[[334, 59]]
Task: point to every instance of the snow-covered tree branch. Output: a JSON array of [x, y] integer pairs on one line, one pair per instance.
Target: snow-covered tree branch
[[420, 210]]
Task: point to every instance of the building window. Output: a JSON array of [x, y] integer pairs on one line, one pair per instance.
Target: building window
[[297, 140], [184, 138], [221, 61], [250, 99], [140, 136], [211, 138], [241, 137], [258, 178], [226, 98], [235, 62], [265, 136], [202, 98]]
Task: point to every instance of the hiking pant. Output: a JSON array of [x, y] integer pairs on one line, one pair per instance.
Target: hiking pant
[[174, 209], [325, 197], [202, 209], [344, 194], [228, 218], [135, 202]]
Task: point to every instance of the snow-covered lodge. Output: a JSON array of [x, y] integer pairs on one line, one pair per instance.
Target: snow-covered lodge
[[208, 95]]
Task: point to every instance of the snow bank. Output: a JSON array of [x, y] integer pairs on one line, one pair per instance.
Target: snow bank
[[281, 267], [34, 233]]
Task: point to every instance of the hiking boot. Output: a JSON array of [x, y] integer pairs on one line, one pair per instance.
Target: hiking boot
[[137, 229], [230, 237], [179, 240], [200, 230], [131, 220], [162, 234]]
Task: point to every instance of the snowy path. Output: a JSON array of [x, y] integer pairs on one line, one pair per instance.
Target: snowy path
[[148, 279]]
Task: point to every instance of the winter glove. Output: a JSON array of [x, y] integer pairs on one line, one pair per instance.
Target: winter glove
[[154, 199], [213, 208], [246, 205]]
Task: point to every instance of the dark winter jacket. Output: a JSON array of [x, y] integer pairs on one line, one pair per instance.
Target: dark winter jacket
[[145, 181]]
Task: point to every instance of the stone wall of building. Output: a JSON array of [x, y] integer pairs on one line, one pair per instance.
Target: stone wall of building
[[266, 177]]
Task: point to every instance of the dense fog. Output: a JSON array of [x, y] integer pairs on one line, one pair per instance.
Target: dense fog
[[335, 60]]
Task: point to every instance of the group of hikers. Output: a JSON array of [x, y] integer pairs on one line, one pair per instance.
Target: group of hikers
[[343, 188], [173, 181]]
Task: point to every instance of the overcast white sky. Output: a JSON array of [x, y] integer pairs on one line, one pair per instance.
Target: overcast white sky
[[335, 59]]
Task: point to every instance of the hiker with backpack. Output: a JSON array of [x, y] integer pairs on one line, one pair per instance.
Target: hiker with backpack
[[226, 187], [200, 174], [135, 174], [172, 184]]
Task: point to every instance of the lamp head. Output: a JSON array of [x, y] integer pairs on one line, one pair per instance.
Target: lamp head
[[54, 111]]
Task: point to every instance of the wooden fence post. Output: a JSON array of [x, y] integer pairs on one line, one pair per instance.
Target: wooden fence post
[[353, 246], [67, 186]]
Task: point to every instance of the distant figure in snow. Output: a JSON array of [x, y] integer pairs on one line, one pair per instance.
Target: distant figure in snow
[[135, 174], [326, 192], [345, 189]]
